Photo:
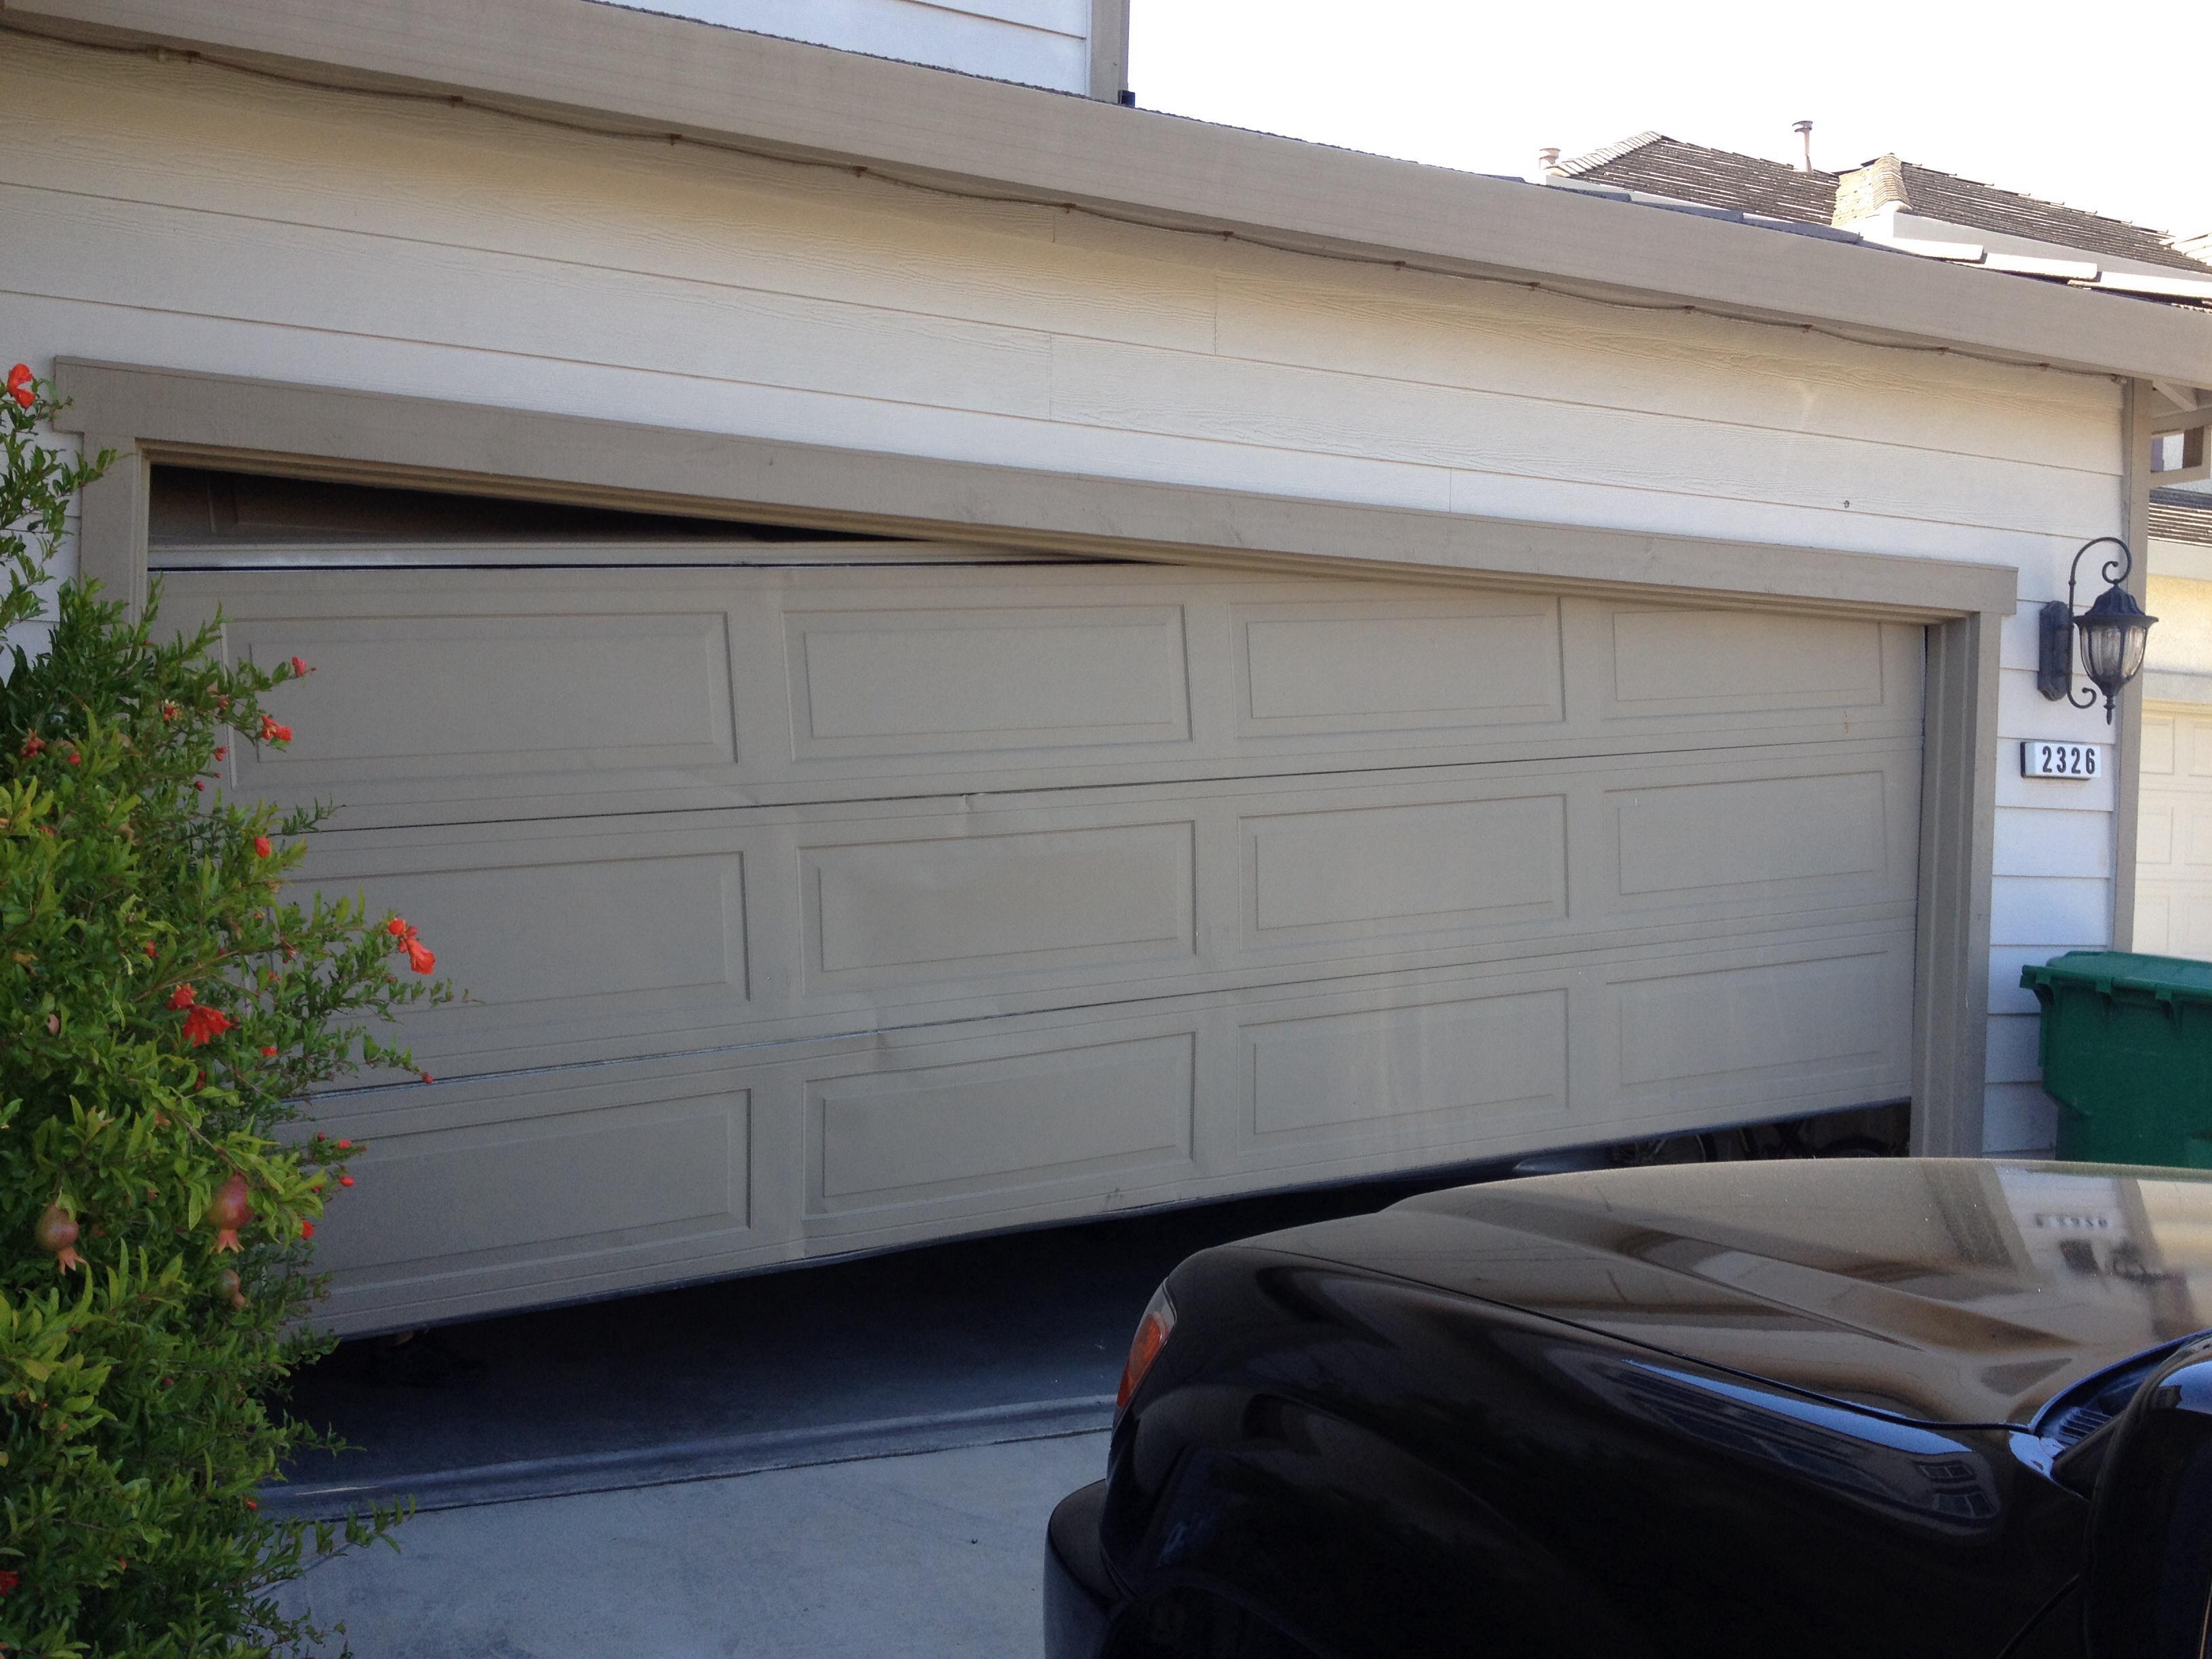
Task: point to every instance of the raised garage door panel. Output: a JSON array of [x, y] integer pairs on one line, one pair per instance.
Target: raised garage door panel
[[634, 935], [809, 909], [450, 696], [2173, 847]]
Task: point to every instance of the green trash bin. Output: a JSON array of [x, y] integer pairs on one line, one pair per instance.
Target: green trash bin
[[2127, 1051]]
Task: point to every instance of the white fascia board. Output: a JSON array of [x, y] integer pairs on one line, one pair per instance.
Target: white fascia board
[[660, 74], [2177, 287], [2030, 265], [1968, 253]]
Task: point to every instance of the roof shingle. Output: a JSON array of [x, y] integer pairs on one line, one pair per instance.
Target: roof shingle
[[2181, 516], [1654, 163]]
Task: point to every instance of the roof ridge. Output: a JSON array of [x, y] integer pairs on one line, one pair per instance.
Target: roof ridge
[[1614, 152]]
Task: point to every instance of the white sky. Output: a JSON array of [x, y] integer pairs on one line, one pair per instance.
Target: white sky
[[2063, 102]]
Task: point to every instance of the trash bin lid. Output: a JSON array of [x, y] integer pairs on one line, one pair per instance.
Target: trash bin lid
[[2178, 978]]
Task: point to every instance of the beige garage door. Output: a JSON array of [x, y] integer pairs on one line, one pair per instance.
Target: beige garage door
[[810, 901], [2173, 847]]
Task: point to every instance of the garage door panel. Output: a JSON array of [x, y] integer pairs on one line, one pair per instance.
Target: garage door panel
[[956, 904], [455, 695], [2157, 746], [1024, 1122], [544, 1186], [1672, 661], [621, 932], [412, 697], [1356, 872], [1776, 1016], [1790, 832], [634, 938], [1410, 1074], [1410, 665], [2173, 835], [890, 685]]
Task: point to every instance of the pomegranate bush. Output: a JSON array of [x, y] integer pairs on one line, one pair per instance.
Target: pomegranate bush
[[163, 1009]]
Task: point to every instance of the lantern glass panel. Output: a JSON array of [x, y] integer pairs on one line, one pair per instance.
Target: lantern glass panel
[[2105, 652]]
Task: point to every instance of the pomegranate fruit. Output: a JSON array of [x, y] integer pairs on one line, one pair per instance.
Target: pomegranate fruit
[[231, 1210], [57, 1233]]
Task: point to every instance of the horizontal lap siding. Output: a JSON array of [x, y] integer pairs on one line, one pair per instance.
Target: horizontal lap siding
[[178, 214]]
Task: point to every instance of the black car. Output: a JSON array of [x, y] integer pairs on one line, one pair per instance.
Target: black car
[[1869, 1407]]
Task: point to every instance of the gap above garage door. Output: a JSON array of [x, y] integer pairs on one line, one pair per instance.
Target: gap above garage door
[[818, 899]]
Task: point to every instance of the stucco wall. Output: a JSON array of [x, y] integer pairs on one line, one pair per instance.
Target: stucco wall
[[2181, 643], [181, 215]]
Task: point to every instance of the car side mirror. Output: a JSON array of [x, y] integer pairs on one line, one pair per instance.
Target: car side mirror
[[2149, 1577]]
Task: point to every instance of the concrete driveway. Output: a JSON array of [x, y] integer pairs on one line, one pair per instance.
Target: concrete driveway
[[933, 1555], [856, 1458]]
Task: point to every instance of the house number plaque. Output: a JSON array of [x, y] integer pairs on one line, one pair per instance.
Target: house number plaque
[[2040, 758]]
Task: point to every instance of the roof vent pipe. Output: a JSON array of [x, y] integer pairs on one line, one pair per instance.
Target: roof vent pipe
[[1804, 131], [1547, 164]]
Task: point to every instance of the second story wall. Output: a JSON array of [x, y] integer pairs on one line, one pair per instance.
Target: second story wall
[[1068, 45]]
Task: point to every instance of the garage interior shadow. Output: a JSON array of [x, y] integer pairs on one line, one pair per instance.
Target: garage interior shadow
[[1012, 1336]]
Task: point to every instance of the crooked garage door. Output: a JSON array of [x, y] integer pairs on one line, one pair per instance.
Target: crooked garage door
[[820, 900]]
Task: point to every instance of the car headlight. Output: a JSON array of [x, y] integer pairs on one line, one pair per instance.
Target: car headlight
[[1152, 1333]]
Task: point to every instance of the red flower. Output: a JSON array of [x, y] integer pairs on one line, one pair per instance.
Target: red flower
[[426, 1077], [181, 997], [75, 759], [31, 746], [168, 711], [261, 847], [273, 731], [345, 1180], [21, 384], [306, 1230], [199, 785], [419, 956], [221, 751], [9, 1581], [398, 928], [299, 667], [345, 1145], [150, 947], [204, 1025], [251, 1504], [268, 1051]]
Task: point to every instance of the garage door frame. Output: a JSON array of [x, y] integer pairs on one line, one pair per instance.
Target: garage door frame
[[148, 415]]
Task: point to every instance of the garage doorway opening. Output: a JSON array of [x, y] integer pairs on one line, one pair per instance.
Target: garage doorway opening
[[935, 888], [199, 509]]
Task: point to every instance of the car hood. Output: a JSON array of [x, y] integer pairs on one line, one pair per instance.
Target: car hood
[[1938, 1289]]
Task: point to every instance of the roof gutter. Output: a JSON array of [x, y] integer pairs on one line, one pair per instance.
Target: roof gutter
[[584, 60]]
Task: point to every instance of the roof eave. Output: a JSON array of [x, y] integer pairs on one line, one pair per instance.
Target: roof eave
[[671, 74]]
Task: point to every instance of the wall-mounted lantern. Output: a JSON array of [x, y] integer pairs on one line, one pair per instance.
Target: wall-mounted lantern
[[2112, 630]]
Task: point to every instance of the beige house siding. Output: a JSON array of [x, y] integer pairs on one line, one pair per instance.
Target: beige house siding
[[181, 215]]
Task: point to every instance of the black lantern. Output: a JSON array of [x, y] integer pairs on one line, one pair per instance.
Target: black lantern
[[2113, 631]]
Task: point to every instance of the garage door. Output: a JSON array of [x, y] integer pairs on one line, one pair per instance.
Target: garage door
[[828, 899], [2173, 847]]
